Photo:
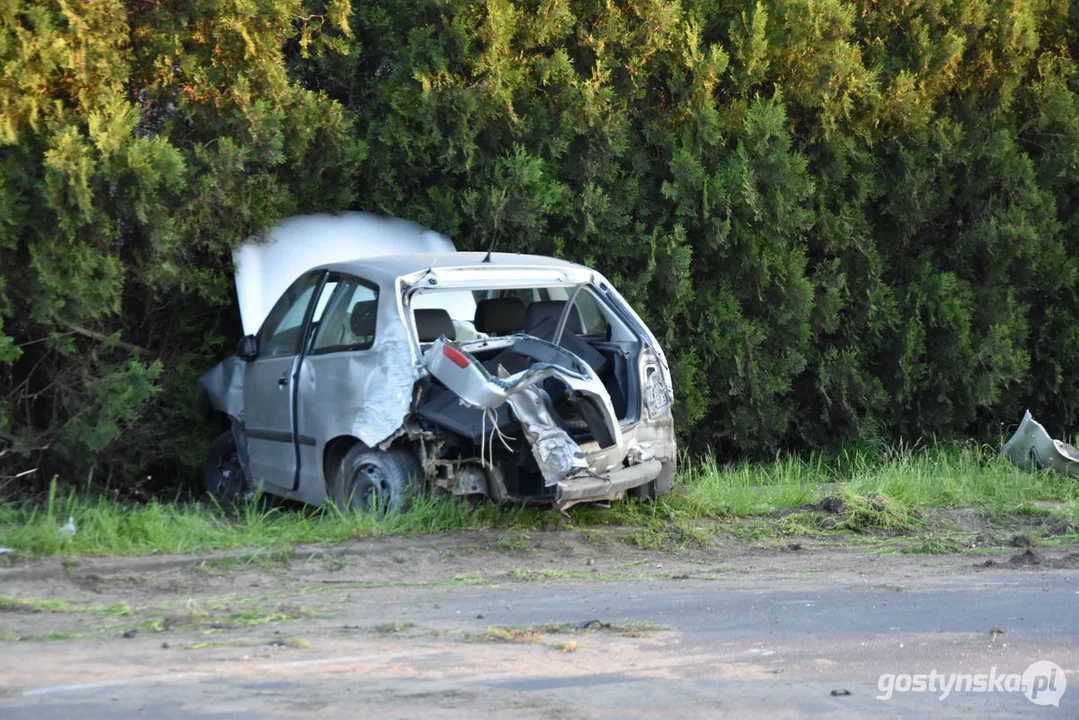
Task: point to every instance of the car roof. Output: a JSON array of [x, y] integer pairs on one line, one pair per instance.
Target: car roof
[[390, 267]]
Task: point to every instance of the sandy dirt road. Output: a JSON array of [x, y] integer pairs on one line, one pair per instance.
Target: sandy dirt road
[[543, 625]]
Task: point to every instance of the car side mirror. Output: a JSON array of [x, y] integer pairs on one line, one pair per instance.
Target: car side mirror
[[248, 347]]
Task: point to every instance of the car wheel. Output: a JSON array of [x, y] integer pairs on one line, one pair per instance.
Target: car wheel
[[659, 487], [223, 475], [380, 481]]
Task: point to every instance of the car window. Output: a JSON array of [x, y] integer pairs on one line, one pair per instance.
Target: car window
[[323, 299], [460, 304], [348, 321], [593, 319], [281, 332]]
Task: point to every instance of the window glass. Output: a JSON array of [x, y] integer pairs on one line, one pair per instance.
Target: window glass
[[282, 330], [593, 320], [461, 306], [348, 322], [323, 299]]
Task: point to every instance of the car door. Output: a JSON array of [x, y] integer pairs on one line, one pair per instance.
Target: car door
[[336, 367], [269, 386]]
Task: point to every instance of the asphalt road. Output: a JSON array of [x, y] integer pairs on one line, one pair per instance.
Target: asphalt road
[[801, 647]]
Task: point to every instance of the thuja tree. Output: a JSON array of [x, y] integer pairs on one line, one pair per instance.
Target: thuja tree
[[139, 141], [843, 218]]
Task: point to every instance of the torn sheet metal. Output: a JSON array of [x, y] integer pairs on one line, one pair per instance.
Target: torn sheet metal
[[557, 455], [221, 388], [389, 376], [466, 377], [1032, 447]]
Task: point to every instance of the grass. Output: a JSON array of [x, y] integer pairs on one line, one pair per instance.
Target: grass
[[43, 605], [883, 491]]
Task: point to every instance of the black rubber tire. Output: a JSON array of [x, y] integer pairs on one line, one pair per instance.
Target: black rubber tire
[[222, 476], [381, 481], [659, 487]]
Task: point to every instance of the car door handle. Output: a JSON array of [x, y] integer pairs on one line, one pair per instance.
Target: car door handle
[[282, 381]]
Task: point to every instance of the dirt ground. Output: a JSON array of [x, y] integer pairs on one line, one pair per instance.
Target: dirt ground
[[438, 609]]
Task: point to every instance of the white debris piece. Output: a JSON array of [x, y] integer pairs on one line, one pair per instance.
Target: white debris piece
[[1032, 447], [69, 528]]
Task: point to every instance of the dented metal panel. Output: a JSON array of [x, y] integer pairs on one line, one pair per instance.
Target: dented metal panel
[[221, 388], [557, 455], [1032, 447]]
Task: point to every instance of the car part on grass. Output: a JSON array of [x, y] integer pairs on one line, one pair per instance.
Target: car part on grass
[[520, 379], [1032, 447]]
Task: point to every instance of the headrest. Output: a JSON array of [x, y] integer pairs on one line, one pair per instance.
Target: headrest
[[500, 316], [543, 310], [433, 323], [362, 318]]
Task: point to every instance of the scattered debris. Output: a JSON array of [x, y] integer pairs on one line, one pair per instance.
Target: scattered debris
[[1031, 447], [131, 633], [1021, 541], [1060, 526], [832, 504], [840, 693], [69, 528], [1027, 557], [164, 646]]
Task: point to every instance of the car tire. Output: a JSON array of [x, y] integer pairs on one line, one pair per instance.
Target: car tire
[[223, 475], [380, 481], [659, 487]]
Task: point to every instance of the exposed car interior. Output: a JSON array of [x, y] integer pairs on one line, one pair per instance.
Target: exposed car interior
[[505, 325]]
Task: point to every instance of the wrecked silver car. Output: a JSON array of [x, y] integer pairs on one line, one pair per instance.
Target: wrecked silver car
[[1032, 447], [511, 377]]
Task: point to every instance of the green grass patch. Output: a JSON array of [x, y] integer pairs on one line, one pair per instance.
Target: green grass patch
[[883, 491], [49, 605]]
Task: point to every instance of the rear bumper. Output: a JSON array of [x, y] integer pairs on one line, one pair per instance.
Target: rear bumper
[[611, 486]]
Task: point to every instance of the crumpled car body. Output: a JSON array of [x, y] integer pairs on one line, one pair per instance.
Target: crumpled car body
[[516, 377], [1032, 447]]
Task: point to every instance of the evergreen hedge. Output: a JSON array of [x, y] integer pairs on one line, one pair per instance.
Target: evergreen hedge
[[843, 219]]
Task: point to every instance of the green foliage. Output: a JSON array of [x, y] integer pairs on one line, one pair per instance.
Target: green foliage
[[842, 218], [139, 142]]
